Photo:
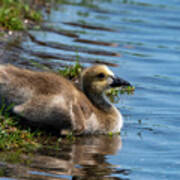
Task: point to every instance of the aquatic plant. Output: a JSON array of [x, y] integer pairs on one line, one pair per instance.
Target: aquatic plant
[[71, 72]]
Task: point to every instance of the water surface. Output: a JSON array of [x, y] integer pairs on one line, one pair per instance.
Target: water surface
[[143, 38]]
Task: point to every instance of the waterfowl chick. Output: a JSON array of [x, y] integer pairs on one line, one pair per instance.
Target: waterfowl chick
[[49, 99]]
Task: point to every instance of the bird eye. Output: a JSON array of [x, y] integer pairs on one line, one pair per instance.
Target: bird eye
[[101, 75]]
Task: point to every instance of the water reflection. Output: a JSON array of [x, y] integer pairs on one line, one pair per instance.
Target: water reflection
[[84, 158]]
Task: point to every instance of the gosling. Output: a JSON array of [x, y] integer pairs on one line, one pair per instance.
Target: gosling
[[49, 99]]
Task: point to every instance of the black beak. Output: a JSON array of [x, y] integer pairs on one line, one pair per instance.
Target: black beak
[[118, 82]]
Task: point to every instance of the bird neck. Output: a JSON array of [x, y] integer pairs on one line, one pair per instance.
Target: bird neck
[[99, 100]]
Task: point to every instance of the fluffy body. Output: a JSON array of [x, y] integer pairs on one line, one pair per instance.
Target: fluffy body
[[49, 99]]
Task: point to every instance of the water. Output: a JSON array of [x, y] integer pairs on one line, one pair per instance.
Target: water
[[143, 38]]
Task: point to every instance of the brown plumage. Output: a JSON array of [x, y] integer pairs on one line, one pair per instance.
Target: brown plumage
[[49, 99]]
